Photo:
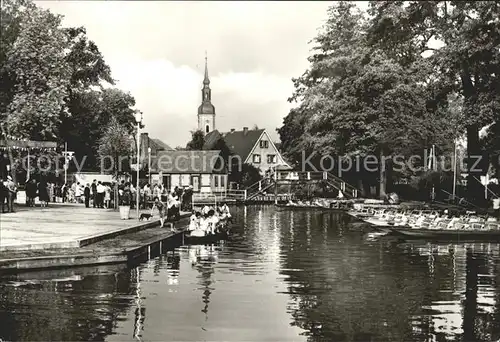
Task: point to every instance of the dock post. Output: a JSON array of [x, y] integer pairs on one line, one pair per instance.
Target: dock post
[[149, 252], [161, 249], [275, 192], [260, 185]]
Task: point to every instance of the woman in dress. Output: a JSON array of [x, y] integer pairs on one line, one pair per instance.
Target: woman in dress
[[43, 194], [107, 195]]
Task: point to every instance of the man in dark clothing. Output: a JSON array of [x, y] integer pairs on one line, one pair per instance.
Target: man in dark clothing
[[86, 194], [31, 193], [94, 193]]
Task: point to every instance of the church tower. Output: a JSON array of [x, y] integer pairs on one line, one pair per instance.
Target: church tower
[[206, 111]]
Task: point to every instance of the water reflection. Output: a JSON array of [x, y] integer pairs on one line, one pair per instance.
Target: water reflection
[[284, 275], [70, 305]]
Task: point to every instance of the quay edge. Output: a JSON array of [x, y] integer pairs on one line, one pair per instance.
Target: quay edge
[[113, 249]]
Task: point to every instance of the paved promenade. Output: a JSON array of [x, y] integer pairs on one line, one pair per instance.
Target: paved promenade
[[60, 226]]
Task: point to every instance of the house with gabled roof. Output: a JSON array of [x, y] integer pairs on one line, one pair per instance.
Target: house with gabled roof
[[205, 171], [253, 147]]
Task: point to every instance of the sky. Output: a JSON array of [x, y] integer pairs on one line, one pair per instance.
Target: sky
[[156, 51]]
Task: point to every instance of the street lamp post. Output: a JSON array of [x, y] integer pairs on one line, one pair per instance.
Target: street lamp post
[[149, 165], [138, 119]]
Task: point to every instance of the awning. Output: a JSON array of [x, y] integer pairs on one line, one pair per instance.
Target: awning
[[84, 178]]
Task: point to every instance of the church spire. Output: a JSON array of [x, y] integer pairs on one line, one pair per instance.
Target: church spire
[[206, 80], [206, 111]]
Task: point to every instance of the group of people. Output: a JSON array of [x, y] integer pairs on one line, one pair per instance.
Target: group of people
[[100, 194], [183, 195], [208, 219], [45, 191]]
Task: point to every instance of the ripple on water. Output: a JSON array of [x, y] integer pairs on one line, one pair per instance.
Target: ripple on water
[[284, 276]]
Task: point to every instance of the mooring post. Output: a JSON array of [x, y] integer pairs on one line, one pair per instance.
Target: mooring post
[[149, 252]]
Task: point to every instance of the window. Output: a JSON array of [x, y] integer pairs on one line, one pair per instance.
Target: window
[[222, 181], [271, 158], [216, 181], [256, 158], [264, 144], [207, 128]]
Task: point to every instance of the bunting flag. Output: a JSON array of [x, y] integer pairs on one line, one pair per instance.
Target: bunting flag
[[25, 145]]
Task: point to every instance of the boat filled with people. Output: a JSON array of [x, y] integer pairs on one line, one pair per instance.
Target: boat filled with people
[[318, 204], [432, 224], [209, 225]]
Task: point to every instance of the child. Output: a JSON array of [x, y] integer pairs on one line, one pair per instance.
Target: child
[[193, 222], [203, 225], [161, 210]]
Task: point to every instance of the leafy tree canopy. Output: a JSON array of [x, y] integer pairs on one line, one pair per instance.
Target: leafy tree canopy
[[197, 141]]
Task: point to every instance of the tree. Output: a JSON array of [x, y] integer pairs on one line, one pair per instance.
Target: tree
[[92, 112], [197, 141], [352, 95], [36, 61], [246, 175], [10, 26], [467, 63], [115, 146], [255, 127]]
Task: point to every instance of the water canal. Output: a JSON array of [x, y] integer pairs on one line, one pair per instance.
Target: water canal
[[284, 276]]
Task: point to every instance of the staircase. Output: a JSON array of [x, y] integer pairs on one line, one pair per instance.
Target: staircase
[[258, 188]]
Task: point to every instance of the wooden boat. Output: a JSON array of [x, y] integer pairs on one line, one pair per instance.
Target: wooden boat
[[206, 239], [311, 207], [222, 233], [473, 231]]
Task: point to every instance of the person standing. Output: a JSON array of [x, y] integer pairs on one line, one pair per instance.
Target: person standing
[[11, 193], [64, 191], [107, 196], [161, 210], [31, 193], [496, 207], [86, 194], [73, 193], [43, 194], [94, 193], [78, 193], [100, 194]]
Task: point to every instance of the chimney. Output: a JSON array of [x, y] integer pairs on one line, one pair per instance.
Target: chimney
[[245, 130], [232, 130]]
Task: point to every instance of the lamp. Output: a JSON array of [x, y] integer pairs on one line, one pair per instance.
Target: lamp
[[149, 165], [138, 119]]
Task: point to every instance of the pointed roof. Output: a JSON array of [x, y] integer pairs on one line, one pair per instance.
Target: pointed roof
[[240, 143], [211, 139], [162, 145], [206, 80], [206, 106]]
